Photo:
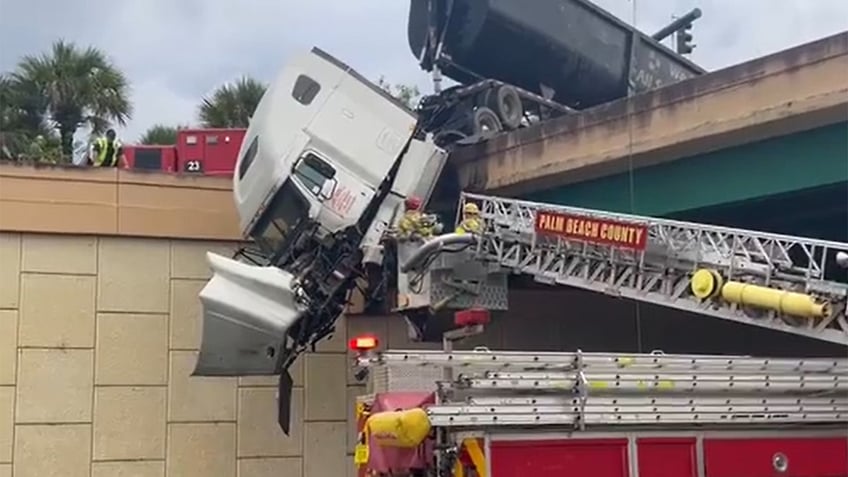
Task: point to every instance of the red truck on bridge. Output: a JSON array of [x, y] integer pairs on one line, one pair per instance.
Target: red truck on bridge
[[207, 152]]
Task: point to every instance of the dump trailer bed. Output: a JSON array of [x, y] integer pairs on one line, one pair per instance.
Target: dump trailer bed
[[583, 53]]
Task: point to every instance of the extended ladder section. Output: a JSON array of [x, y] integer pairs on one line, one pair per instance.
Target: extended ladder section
[[790, 284], [590, 390]]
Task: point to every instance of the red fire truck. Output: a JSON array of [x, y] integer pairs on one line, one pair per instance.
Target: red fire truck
[[484, 413], [518, 414], [208, 152]]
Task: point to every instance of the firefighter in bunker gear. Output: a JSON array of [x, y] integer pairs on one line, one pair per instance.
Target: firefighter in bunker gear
[[470, 220], [410, 223], [415, 224]]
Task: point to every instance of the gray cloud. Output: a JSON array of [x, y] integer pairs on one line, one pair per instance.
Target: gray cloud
[[176, 51]]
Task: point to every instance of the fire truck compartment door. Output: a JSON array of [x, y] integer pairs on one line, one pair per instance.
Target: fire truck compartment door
[[247, 311]]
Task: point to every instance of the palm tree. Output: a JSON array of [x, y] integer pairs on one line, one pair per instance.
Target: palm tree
[[160, 134], [232, 104], [77, 87]]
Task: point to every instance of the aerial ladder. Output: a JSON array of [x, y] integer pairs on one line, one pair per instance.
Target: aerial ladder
[[791, 284], [474, 404]]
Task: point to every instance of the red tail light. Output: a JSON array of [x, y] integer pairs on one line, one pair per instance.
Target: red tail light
[[363, 343]]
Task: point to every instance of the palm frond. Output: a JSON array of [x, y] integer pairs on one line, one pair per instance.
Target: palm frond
[[232, 104]]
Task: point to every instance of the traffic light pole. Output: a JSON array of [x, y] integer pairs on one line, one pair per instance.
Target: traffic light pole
[[674, 27]]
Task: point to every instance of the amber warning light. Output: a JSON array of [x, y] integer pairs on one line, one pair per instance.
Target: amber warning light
[[363, 343]]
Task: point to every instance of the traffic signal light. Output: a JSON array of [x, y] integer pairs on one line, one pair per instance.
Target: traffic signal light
[[684, 40]]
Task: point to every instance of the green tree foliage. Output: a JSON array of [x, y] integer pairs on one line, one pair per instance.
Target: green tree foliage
[[20, 108], [232, 104], [20, 119], [408, 95], [44, 148], [160, 134], [65, 89]]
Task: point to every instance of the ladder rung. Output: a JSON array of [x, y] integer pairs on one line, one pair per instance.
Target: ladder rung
[[566, 401], [665, 384], [604, 419], [629, 378], [566, 361], [624, 409], [707, 376], [630, 410]]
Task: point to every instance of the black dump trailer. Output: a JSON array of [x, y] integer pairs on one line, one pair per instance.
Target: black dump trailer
[[542, 57]]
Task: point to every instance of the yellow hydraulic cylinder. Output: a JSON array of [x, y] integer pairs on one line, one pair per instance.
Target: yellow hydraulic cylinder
[[406, 428], [708, 284], [705, 283], [790, 303]]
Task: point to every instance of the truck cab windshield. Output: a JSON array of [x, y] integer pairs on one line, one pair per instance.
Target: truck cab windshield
[[285, 213]]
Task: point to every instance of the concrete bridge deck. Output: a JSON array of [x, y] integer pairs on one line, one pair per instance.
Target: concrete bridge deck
[[793, 91]]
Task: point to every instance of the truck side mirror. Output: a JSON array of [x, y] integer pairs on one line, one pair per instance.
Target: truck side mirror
[[328, 189]]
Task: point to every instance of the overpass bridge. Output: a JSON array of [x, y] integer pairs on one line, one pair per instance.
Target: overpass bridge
[[762, 144]]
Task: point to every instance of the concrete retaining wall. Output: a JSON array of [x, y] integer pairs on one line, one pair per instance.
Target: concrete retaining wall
[[98, 333]]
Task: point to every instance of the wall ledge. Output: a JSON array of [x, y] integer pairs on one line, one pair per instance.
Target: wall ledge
[[64, 199]]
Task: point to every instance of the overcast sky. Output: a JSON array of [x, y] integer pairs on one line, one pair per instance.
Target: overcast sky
[[177, 51]]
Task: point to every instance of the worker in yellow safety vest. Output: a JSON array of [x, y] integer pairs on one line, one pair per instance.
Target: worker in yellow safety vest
[[106, 151], [470, 222]]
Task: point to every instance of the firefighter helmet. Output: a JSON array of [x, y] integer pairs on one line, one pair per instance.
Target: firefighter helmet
[[412, 203], [471, 208]]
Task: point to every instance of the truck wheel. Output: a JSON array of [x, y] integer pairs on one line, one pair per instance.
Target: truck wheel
[[486, 122], [507, 103]]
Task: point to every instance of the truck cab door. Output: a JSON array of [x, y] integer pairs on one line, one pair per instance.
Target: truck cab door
[[341, 195]]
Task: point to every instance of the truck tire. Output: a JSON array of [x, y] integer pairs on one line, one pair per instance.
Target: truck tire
[[486, 123], [506, 102]]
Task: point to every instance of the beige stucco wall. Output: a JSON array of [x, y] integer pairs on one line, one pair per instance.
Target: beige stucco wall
[[99, 327], [97, 339]]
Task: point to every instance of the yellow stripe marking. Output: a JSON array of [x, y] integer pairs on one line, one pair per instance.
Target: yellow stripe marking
[[472, 446], [458, 469]]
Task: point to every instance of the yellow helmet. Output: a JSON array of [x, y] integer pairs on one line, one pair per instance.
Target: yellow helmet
[[470, 208]]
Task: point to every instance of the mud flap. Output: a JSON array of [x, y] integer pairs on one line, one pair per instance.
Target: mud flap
[[284, 395], [247, 311]]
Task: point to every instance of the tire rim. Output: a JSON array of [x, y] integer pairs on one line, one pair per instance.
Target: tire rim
[[488, 125]]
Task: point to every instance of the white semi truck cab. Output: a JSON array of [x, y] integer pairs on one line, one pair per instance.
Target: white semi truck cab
[[323, 171]]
